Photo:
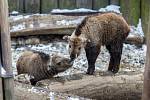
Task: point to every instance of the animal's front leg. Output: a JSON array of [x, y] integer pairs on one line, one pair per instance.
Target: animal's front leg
[[91, 53], [33, 81]]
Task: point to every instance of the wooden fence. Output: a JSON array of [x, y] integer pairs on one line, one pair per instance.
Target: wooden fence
[[132, 10]]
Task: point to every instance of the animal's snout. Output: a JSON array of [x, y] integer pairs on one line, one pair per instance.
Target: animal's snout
[[71, 62], [72, 56]]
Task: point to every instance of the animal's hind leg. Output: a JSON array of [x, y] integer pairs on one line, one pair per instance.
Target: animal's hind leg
[[91, 53], [115, 51]]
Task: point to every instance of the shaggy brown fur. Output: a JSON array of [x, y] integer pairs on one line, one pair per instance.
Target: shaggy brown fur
[[107, 29], [41, 66]]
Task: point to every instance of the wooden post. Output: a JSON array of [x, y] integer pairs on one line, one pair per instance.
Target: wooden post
[[114, 2], [97, 4], [67, 4], [145, 8], [32, 6], [13, 5], [84, 4], [1, 85], [131, 11], [146, 88], [8, 83], [21, 6], [48, 5]]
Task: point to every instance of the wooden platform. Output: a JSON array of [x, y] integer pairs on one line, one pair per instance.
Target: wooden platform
[[43, 24]]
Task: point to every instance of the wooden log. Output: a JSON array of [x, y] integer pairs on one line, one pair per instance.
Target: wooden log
[[97, 4], [146, 88], [27, 92], [131, 11], [135, 39], [100, 86], [119, 87], [67, 4], [13, 5], [6, 50], [43, 31], [32, 6], [48, 5], [84, 4], [145, 15]]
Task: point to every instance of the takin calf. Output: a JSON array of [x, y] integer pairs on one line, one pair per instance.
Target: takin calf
[[107, 29], [41, 66]]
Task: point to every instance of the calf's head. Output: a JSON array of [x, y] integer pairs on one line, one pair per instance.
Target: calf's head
[[61, 63], [75, 45]]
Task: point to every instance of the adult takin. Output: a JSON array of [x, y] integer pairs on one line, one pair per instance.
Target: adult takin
[[107, 29], [41, 66]]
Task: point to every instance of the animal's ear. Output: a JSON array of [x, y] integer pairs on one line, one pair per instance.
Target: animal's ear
[[66, 37], [85, 40]]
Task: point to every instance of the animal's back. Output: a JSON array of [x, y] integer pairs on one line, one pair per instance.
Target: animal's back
[[22, 63], [105, 27]]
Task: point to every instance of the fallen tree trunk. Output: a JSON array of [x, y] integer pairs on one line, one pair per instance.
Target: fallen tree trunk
[[27, 92], [43, 31], [121, 87], [100, 87]]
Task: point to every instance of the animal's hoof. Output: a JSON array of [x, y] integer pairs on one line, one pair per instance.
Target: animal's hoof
[[33, 82], [108, 73], [90, 72], [115, 70]]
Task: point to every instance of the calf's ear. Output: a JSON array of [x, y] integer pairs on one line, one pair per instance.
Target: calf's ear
[[85, 40], [66, 37]]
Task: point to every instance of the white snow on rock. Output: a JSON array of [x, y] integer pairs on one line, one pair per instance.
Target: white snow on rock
[[3, 71], [137, 30], [17, 27], [71, 11], [111, 8], [19, 17], [14, 12], [70, 22]]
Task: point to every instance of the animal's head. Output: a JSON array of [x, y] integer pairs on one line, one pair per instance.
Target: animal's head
[[75, 45], [60, 62]]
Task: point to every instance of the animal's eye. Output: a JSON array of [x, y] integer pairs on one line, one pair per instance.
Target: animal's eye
[[69, 46]]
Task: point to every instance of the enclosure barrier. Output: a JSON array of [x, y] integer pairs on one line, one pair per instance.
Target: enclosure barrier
[[6, 80]]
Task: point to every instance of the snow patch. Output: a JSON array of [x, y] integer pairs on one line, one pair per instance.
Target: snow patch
[[110, 8], [52, 95], [18, 27], [14, 12], [137, 30], [70, 22], [3, 71], [72, 11]]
